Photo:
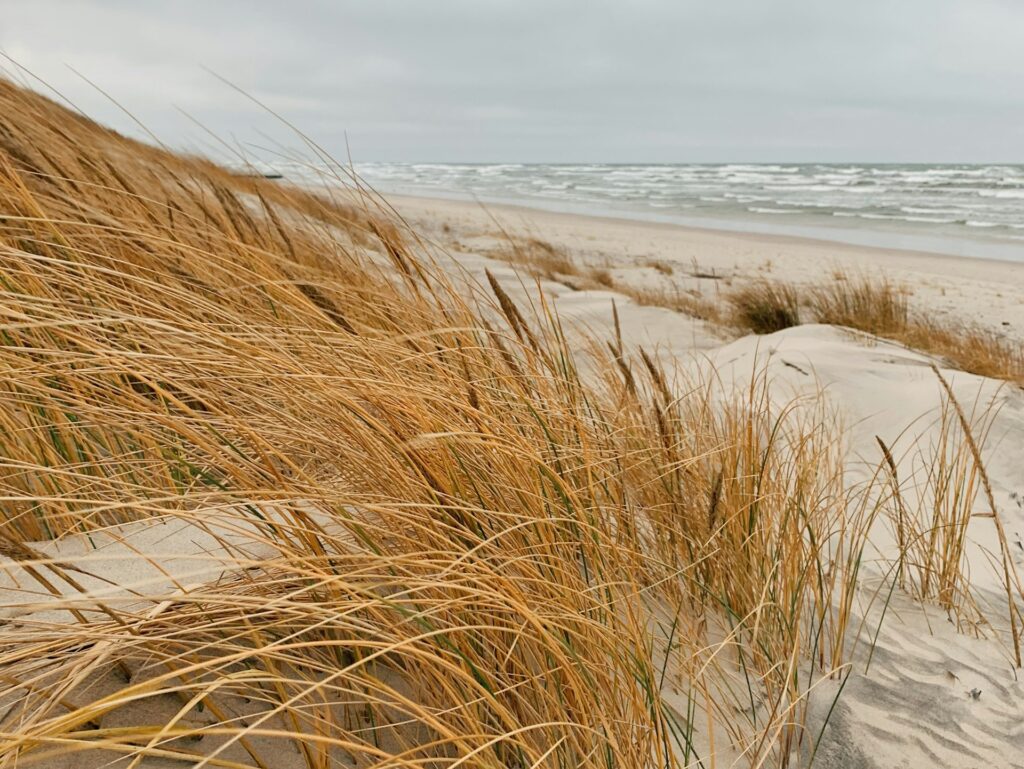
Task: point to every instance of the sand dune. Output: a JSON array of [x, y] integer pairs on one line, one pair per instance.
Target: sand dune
[[931, 696], [917, 692], [283, 494], [981, 290]]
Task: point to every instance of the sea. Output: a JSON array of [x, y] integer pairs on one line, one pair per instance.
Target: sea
[[964, 210]]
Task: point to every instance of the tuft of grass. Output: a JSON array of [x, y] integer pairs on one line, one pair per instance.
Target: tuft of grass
[[692, 303], [661, 266], [877, 306], [873, 305], [1009, 573], [602, 277], [543, 260], [540, 258], [764, 307], [967, 346]]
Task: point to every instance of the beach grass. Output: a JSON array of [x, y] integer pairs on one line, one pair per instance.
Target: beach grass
[[764, 307], [437, 543], [872, 304], [878, 306]]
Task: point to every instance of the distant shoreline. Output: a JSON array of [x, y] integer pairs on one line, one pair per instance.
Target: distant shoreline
[[974, 212], [820, 237], [974, 289]]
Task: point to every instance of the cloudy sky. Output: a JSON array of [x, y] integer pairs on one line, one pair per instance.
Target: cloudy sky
[[547, 80]]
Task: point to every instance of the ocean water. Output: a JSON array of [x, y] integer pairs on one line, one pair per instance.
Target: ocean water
[[970, 210]]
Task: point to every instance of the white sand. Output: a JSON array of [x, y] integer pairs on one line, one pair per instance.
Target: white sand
[[912, 708], [978, 290]]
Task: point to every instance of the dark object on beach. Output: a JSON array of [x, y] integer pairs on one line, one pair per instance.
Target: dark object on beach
[[260, 174]]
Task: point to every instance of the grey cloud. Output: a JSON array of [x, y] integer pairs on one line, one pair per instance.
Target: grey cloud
[[551, 80]]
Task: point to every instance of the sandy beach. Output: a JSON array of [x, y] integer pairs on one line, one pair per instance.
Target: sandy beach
[[978, 290], [916, 700]]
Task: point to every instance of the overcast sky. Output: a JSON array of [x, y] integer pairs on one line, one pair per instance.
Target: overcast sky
[[550, 80]]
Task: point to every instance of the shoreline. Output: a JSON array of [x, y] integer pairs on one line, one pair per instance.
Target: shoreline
[[882, 236], [974, 289], [754, 236]]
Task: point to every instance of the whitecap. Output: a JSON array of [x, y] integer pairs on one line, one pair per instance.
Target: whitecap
[[756, 210]]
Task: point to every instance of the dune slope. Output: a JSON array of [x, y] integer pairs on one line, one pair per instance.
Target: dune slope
[[284, 485]]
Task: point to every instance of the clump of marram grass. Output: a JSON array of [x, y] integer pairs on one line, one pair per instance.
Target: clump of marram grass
[[969, 444], [439, 545], [540, 258], [969, 347], [873, 305], [880, 307], [602, 277], [661, 266], [543, 260], [688, 302], [764, 307]]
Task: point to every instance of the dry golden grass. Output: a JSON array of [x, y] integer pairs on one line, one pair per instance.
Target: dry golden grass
[[540, 258], [879, 307], [602, 277], [764, 307], [661, 266], [543, 260], [691, 302], [968, 347], [873, 305], [458, 552]]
